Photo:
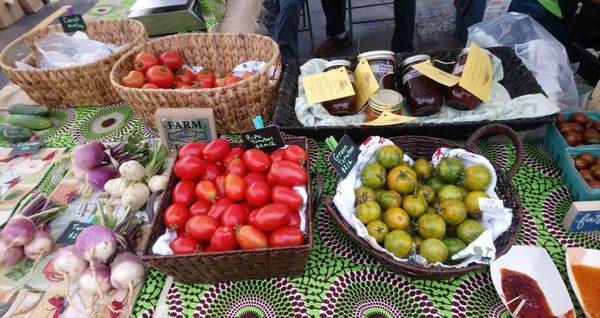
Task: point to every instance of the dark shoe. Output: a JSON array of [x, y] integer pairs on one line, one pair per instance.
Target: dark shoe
[[332, 45]]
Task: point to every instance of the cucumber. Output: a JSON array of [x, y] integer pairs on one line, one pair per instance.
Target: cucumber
[[15, 134], [25, 109], [29, 121]]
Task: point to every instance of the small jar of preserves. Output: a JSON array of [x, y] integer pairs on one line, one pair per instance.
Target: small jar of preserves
[[423, 95], [345, 105], [384, 100], [456, 96], [382, 64]]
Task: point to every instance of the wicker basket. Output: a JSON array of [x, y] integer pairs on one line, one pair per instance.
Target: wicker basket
[[420, 146], [82, 85], [517, 80], [234, 106], [232, 265]]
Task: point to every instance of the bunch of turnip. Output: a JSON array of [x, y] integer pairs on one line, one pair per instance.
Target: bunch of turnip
[[21, 237], [125, 173], [89, 259]]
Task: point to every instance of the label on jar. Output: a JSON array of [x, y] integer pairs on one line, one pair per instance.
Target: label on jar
[[383, 69], [326, 86], [434, 73], [366, 83], [478, 73], [410, 75]]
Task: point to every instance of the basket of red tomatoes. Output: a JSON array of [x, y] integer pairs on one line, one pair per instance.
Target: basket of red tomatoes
[[195, 70], [232, 213]]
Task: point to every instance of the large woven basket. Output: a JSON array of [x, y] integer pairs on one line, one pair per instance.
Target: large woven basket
[[82, 85], [518, 81], [232, 265], [234, 106], [421, 146]]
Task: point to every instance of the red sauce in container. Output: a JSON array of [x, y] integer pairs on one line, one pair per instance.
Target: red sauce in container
[[423, 95], [456, 96], [383, 66], [345, 105], [516, 284]]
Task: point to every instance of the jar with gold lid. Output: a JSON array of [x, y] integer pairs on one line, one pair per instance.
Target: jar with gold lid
[[384, 100]]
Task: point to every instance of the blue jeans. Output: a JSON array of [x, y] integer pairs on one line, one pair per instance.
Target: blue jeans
[[281, 21]]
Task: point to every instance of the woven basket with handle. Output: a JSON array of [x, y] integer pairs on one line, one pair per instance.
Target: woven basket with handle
[[74, 86], [235, 105], [211, 267], [420, 146]]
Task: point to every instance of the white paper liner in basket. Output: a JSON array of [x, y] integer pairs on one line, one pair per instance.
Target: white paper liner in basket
[[496, 218]]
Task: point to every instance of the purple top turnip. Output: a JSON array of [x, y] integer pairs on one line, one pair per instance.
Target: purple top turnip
[[68, 261], [97, 177], [10, 256], [126, 271], [18, 231], [96, 242], [88, 282], [88, 156], [41, 245]]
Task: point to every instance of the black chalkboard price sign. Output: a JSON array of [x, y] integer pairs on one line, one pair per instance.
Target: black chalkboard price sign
[[344, 156], [28, 147], [72, 23], [267, 139], [69, 235]]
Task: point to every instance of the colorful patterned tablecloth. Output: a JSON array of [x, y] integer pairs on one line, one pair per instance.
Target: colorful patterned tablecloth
[[341, 280]]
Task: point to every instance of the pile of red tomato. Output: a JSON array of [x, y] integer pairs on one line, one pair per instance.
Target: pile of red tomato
[[167, 71], [231, 198]]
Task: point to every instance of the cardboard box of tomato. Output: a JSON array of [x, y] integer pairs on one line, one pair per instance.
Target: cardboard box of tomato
[[234, 214]]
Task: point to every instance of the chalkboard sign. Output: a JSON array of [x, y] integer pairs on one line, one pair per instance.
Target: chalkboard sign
[[267, 139], [69, 235], [344, 156], [28, 147], [72, 23], [180, 126]]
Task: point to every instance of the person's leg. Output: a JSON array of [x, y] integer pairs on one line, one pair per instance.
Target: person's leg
[[337, 37], [404, 28], [287, 29], [270, 18], [335, 16]]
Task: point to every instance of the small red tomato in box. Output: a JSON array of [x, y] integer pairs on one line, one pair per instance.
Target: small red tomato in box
[[287, 196], [184, 192], [216, 150], [201, 227], [295, 154], [223, 239], [258, 194], [217, 209], [257, 160], [175, 216], [235, 187], [188, 167], [249, 237], [234, 153], [252, 177], [287, 173], [271, 217], [184, 245], [234, 215], [193, 148]]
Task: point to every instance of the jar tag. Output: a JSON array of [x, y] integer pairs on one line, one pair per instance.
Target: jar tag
[[387, 119], [365, 83], [478, 73], [326, 86], [427, 69]]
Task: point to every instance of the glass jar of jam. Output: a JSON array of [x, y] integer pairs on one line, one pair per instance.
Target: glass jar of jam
[[423, 95], [456, 96], [345, 105], [384, 100], [383, 66]]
